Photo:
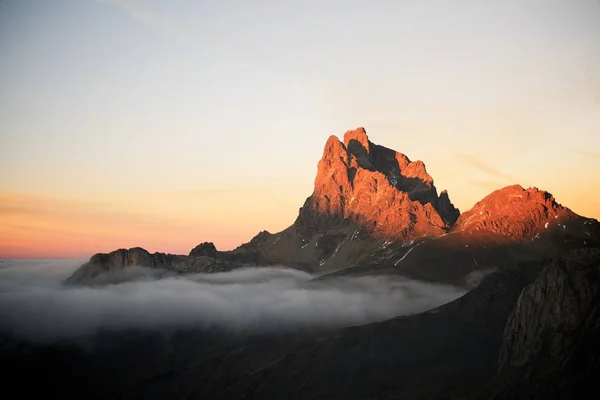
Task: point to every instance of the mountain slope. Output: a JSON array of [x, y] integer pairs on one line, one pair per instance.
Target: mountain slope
[[366, 198], [515, 213], [551, 342]]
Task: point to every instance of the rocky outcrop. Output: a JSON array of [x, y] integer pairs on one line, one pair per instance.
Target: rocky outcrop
[[363, 184], [447, 209], [552, 313], [551, 341], [206, 249], [117, 260]]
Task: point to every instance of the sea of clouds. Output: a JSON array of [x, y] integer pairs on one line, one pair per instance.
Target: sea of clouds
[[36, 305]]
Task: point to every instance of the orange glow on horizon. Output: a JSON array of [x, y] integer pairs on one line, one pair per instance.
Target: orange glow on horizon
[[34, 226], [42, 227]]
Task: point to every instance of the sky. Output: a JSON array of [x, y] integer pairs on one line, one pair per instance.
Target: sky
[[164, 124]]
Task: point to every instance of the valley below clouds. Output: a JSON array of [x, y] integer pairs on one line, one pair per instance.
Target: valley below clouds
[[35, 305]]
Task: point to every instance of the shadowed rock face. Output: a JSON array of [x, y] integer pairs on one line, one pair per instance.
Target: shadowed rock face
[[538, 324], [551, 341], [102, 263], [206, 249], [550, 313], [443, 353]]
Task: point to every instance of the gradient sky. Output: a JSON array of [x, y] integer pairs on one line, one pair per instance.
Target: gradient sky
[[167, 123]]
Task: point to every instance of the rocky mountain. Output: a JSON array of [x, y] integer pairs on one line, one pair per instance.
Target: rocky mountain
[[374, 209], [377, 188], [529, 330], [366, 197], [551, 341]]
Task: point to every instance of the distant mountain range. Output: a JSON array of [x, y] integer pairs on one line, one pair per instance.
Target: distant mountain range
[[530, 329], [373, 208]]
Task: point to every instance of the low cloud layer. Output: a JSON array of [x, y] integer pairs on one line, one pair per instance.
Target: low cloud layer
[[35, 305]]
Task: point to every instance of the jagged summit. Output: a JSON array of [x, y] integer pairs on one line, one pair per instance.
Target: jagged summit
[[377, 188]]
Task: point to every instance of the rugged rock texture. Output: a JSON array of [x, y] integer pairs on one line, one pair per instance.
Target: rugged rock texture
[[549, 310], [368, 204], [375, 188], [508, 226], [551, 342]]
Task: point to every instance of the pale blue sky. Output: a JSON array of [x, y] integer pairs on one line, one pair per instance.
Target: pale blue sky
[[129, 97]]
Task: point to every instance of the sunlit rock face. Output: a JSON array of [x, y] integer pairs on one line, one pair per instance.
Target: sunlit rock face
[[377, 188], [515, 213]]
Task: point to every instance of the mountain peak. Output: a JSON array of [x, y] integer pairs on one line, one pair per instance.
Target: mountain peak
[[357, 141], [376, 188], [206, 249], [514, 212], [334, 149]]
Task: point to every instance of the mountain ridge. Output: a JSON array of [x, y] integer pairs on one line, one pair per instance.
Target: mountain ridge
[[373, 206]]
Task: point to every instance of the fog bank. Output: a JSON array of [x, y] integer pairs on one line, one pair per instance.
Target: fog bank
[[35, 305]]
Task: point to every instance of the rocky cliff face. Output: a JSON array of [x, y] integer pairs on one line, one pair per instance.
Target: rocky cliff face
[[552, 313], [551, 341], [376, 188]]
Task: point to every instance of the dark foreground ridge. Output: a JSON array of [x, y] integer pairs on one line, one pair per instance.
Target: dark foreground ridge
[[525, 332], [529, 330]]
